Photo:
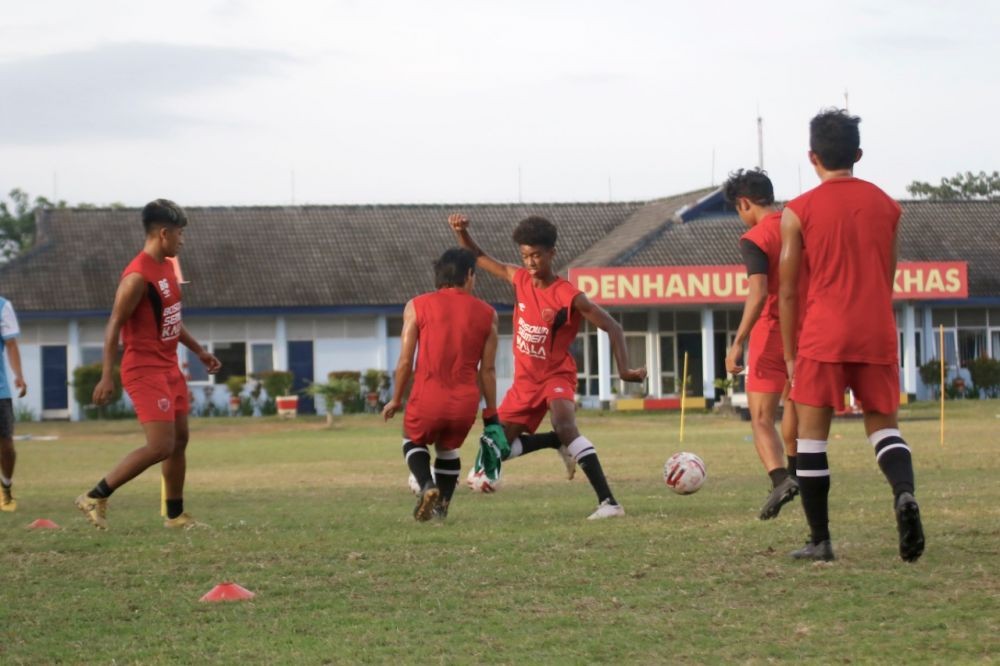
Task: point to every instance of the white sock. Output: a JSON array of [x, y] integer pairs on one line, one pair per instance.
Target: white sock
[[580, 447], [516, 448], [5, 481]]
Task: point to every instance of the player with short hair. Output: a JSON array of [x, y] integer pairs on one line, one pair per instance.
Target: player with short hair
[[456, 334], [752, 195], [9, 332], [147, 313], [849, 228], [547, 314]]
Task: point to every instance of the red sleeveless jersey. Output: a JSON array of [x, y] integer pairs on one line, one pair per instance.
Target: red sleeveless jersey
[[151, 334], [545, 325], [848, 234], [766, 235], [452, 330]]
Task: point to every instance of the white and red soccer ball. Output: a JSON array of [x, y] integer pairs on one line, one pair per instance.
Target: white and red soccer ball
[[684, 473], [480, 483]]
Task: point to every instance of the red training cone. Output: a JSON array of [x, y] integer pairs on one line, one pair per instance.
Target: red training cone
[[227, 592], [43, 524]]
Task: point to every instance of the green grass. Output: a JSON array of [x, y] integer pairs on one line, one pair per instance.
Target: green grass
[[317, 522]]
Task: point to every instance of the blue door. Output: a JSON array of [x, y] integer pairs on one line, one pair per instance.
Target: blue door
[[300, 362], [54, 393]]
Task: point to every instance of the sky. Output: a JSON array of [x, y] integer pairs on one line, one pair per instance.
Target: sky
[[240, 102]]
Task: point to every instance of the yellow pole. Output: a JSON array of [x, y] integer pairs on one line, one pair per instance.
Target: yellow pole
[[163, 496], [684, 382], [941, 357]]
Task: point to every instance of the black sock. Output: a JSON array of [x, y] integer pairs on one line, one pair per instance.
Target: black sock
[[791, 465], [814, 487], [545, 440], [418, 459], [447, 472], [893, 457], [777, 476], [101, 491], [175, 507], [591, 466]]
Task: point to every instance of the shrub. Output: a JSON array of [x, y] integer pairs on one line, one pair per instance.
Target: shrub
[[930, 375], [985, 372], [85, 379], [276, 382]]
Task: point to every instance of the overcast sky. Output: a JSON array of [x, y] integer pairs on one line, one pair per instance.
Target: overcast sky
[[235, 102]]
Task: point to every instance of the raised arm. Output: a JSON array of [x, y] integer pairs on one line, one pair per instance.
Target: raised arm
[[597, 316], [404, 367], [460, 225], [488, 370], [788, 289], [130, 291]]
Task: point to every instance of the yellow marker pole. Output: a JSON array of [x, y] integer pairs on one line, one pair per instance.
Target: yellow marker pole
[[163, 497], [941, 357], [684, 381]]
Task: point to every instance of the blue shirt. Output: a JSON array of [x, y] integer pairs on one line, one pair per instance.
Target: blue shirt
[[8, 330]]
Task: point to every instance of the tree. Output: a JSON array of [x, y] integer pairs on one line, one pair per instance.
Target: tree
[[17, 222], [966, 186]]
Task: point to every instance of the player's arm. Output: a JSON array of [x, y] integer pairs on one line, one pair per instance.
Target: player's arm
[[460, 225], [130, 292], [599, 317], [788, 289], [757, 266], [211, 363], [404, 367], [14, 357], [488, 371]]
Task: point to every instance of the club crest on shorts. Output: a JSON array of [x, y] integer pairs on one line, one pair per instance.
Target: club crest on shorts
[[163, 404]]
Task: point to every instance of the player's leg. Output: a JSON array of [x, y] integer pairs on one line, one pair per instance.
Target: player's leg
[[174, 470], [879, 394], [790, 432], [418, 433], [817, 388], [8, 456], [585, 455], [160, 440], [447, 469], [763, 409]]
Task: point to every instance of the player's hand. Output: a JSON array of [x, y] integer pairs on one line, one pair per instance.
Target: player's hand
[[390, 409], [212, 364], [633, 375], [458, 222], [790, 369], [22, 388], [734, 359], [103, 391]]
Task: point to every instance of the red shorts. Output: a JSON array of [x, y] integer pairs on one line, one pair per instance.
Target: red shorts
[[527, 404], [157, 395], [876, 385], [766, 371], [447, 432]]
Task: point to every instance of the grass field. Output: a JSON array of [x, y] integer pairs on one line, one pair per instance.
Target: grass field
[[317, 522]]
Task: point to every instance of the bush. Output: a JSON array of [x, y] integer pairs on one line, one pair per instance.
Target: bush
[[276, 382], [85, 379], [345, 386], [930, 375], [375, 380], [235, 384], [985, 372]]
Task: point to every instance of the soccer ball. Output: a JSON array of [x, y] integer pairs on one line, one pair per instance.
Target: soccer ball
[[684, 473], [478, 482], [412, 483]]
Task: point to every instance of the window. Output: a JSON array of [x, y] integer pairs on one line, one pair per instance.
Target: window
[[195, 369], [261, 357], [971, 344], [668, 364], [394, 327], [996, 344], [91, 355], [688, 321], [636, 346], [233, 356]]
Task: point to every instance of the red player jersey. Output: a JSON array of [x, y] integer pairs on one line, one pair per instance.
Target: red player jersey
[[151, 334], [545, 325], [452, 328], [766, 235], [849, 233]]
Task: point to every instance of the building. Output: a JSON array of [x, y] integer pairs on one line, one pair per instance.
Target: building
[[316, 289]]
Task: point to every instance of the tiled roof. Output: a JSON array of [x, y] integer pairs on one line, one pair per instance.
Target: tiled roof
[[252, 257]]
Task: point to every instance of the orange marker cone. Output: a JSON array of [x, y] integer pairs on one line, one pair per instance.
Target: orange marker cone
[[227, 592], [43, 524]]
